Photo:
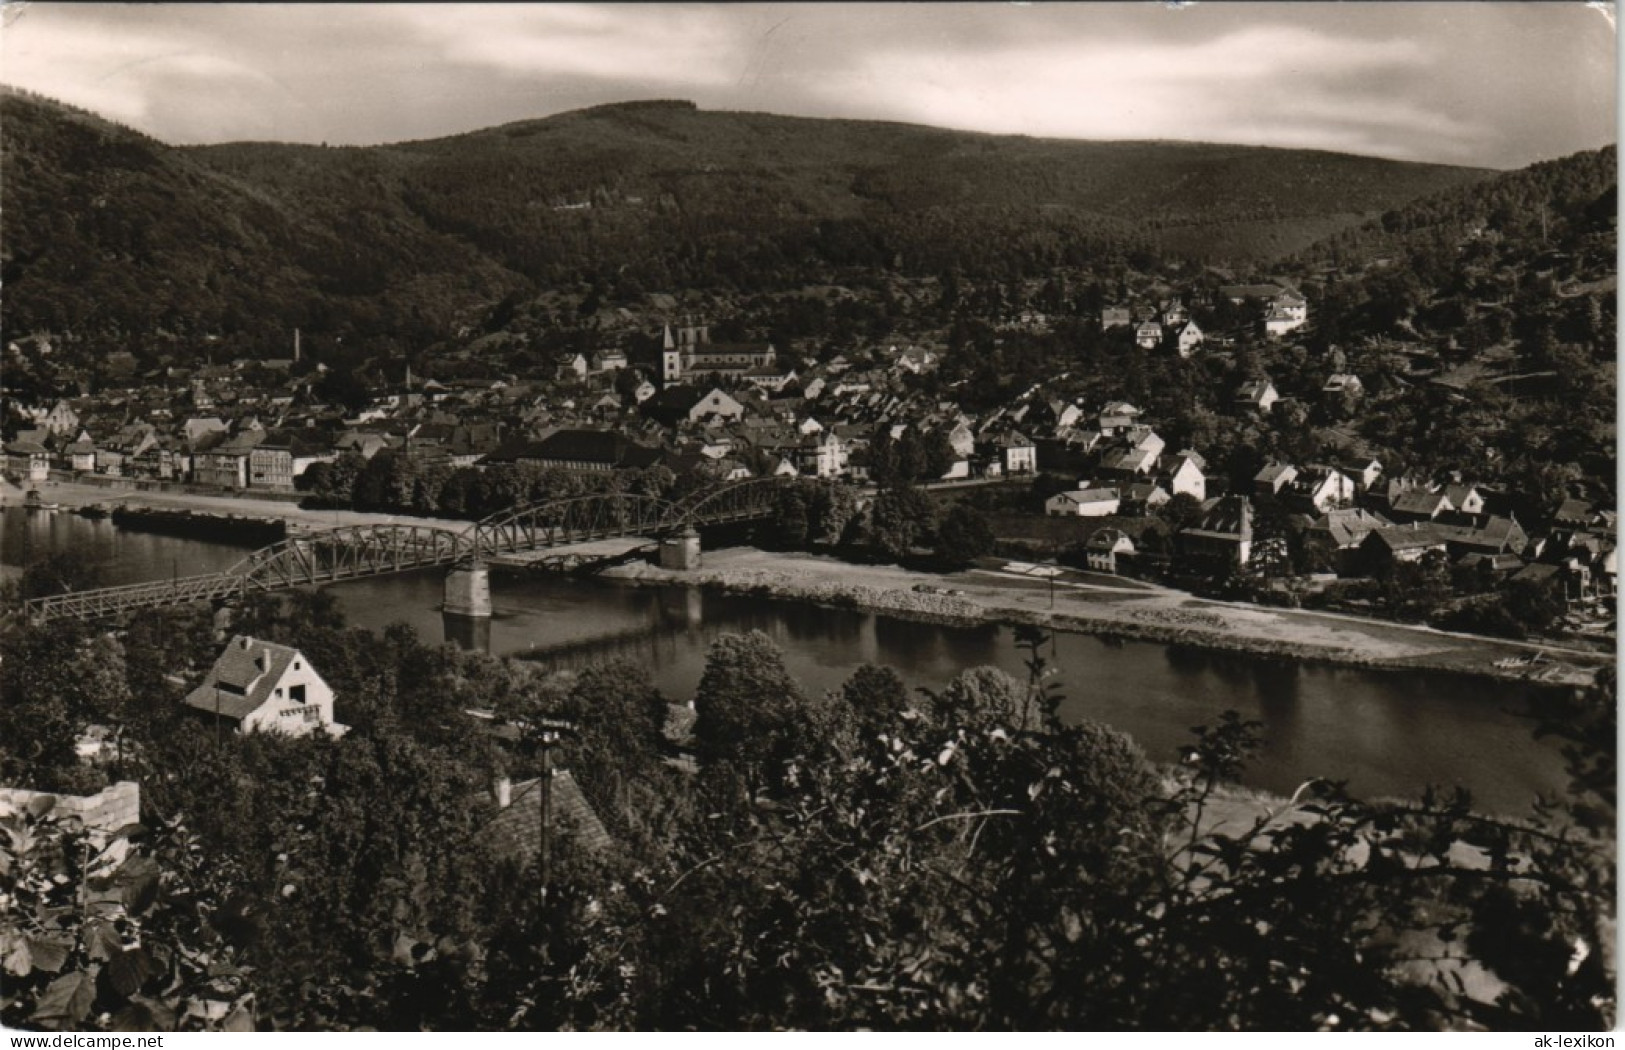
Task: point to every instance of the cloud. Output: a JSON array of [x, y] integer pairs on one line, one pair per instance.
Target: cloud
[[670, 45], [1273, 85], [1489, 83]]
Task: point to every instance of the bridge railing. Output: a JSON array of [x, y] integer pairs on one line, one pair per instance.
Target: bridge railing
[[108, 601]]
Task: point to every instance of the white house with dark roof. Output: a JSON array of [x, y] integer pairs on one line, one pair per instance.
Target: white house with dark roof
[[263, 687], [1257, 395], [1105, 547]]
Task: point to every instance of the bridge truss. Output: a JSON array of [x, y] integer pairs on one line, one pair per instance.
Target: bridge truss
[[356, 551]]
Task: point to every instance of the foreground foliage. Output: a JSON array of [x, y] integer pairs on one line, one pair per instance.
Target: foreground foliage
[[953, 860]]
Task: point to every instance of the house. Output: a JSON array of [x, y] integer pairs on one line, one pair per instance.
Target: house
[[258, 687], [916, 360], [769, 377], [1419, 505], [1342, 385], [1574, 514], [1188, 339], [1222, 541], [1273, 478], [609, 360], [570, 366], [1279, 324], [1173, 313], [1083, 503], [1365, 472], [1116, 416], [1148, 335], [1142, 497], [962, 439], [225, 464], [1182, 473], [1384, 548], [1257, 395], [1128, 462], [1017, 454], [676, 405], [1465, 499], [1105, 547], [1284, 312], [824, 455], [1318, 489], [195, 428], [81, 454], [1340, 531], [644, 391], [516, 832], [1115, 317], [28, 460], [1289, 304], [1496, 535], [61, 420], [1142, 438]]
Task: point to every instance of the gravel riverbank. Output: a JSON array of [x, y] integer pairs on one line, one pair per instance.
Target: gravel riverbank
[[1153, 614]]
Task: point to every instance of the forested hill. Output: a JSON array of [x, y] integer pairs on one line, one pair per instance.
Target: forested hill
[[1540, 204], [106, 230]]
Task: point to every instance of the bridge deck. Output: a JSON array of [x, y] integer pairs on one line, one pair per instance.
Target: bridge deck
[[617, 522]]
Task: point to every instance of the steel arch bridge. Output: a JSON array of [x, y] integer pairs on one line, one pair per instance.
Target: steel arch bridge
[[355, 551]]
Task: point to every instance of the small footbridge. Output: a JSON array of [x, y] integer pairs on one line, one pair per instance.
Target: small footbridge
[[356, 551]]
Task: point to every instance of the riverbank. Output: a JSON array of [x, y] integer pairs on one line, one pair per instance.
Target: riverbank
[[1143, 613]]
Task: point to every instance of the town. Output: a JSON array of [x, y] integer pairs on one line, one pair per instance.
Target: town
[[1459, 545], [902, 518]]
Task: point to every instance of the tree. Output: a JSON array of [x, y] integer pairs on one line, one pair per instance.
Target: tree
[[1533, 605], [344, 387], [790, 525], [964, 536], [746, 703], [1183, 511], [900, 520], [831, 510], [874, 698], [60, 572]]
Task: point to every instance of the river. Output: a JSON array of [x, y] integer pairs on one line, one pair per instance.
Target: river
[[1385, 732]]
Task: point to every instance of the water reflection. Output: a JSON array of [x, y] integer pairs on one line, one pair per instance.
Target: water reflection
[[467, 632]]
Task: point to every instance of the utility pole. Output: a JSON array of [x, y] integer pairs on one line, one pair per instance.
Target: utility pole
[[550, 735]]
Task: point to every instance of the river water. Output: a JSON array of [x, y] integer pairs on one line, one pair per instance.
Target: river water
[[1385, 732]]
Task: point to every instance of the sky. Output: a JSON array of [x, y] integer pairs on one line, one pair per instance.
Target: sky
[[1490, 84]]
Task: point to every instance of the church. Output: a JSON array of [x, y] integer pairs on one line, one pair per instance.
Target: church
[[690, 352]]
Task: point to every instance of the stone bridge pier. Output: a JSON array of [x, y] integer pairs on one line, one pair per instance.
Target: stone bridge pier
[[468, 590], [682, 551]]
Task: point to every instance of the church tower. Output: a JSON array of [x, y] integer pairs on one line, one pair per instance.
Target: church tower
[[671, 360]]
